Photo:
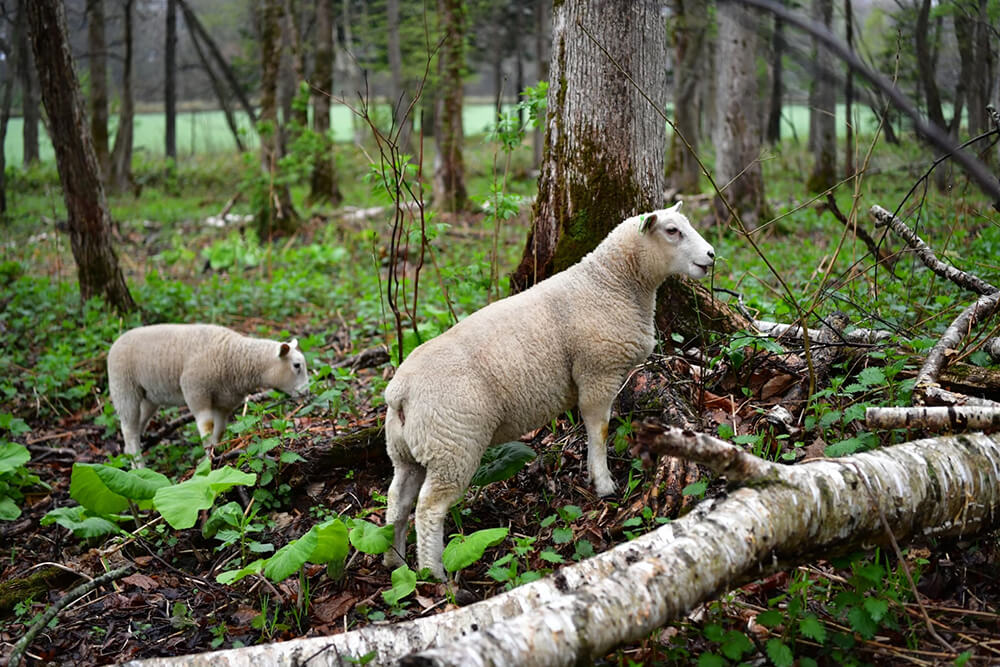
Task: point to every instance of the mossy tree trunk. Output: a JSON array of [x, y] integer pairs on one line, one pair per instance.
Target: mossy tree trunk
[[604, 141], [86, 204], [450, 193], [690, 30], [822, 110], [738, 137], [275, 215]]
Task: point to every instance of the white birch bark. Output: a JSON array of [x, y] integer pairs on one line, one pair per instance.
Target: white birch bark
[[942, 418], [794, 332], [941, 486]]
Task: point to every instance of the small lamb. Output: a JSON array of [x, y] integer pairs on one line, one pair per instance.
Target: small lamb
[[519, 362], [209, 368]]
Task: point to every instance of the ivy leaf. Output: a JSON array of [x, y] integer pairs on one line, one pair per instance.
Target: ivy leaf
[[502, 462], [369, 538], [464, 550], [404, 582]]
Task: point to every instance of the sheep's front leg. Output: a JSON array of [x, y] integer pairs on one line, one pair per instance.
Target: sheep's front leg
[[595, 408], [211, 427], [407, 478], [130, 414]]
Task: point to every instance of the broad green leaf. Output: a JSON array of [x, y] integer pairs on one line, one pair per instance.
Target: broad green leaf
[[8, 509], [694, 489], [713, 632], [711, 660], [502, 462], [770, 618], [229, 514], [861, 622], [139, 484], [736, 645], [876, 608], [78, 520], [404, 582], [369, 538], [87, 488], [232, 576], [12, 456], [779, 653], [290, 558], [551, 556], [464, 550], [873, 376], [223, 479], [179, 504], [562, 535], [331, 546]]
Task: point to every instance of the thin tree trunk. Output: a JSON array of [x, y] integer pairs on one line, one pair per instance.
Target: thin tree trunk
[[542, 62], [449, 165], [97, 44], [120, 178], [823, 109], [690, 34], [275, 216], [6, 101], [170, 81], [29, 93], [849, 167], [220, 92], [737, 127], [787, 515], [399, 97], [83, 190], [324, 180], [777, 56], [604, 151]]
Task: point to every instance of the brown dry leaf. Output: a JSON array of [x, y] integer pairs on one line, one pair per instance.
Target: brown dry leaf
[[142, 561], [776, 386], [332, 609], [817, 450], [140, 580]]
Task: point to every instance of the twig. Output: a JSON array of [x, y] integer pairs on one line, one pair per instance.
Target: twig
[[881, 256], [718, 455], [884, 218], [51, 612]]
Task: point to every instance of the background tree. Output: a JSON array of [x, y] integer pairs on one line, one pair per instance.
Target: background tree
[[83, 191], [400, 98], [275, 216], [738, 135], [773, 126], [170, 82], [29, 94], [604, 155], [822, 109], [323, 181], [449, 166], [120, 171], [690, 29], [98, 67]]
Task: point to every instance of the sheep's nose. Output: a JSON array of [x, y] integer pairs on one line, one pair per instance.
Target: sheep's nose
[[711, 254]]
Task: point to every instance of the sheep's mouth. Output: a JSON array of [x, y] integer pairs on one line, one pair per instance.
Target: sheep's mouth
[[703, 268]]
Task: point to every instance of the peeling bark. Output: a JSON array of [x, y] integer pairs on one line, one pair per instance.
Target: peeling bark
[[935, 487]]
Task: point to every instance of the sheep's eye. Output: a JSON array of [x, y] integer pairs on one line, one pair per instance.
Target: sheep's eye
[[297, 366], [673, 232]]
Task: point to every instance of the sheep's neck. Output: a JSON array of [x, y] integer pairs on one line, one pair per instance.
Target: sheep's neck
[[620, 275]]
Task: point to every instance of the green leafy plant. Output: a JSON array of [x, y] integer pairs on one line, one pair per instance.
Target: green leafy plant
[[14, 477]]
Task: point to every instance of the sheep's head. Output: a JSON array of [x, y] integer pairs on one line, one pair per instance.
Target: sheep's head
[[677, 248], [288, 372]]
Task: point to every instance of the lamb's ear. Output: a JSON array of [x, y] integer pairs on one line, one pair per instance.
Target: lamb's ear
[[646, 222], [294, 342], [283, 350], [676, 208]]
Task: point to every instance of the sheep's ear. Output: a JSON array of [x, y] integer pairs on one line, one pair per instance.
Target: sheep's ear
[[646, 222], [283, 350], [676, 208], [294, 343]]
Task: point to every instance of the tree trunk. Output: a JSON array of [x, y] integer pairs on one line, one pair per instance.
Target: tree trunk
[[275, 217], [323, 183], [399, 96], [83, 190], [220, 90], [542, 62], [120, 179], [449, 166], [690, 34], [738, 133], [97, 44], [787, 515], [170, 82], [6, 101], [29, 94], [849, 168], [774, 107], [604, 151], [823, 109]]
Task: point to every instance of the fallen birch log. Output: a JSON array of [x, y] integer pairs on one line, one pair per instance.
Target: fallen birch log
[[791, 514], [979, 311], [794, 332], [951, 418]]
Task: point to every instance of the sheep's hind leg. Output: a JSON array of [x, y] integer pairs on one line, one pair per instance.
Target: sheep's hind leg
[[595, 408], [437, 495], [130, 415], [407, 478]]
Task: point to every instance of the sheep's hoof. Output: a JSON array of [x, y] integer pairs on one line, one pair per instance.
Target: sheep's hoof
[[605, 488]]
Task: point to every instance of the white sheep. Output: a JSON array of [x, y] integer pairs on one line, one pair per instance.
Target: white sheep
[[209, 368], [519, 362]]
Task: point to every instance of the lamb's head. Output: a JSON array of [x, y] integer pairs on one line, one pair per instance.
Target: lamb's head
[[287, 371], [673, 244]]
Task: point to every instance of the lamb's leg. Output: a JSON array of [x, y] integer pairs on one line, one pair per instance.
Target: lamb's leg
[[595, 408], [407, 478], [129, 412], [441, 490]]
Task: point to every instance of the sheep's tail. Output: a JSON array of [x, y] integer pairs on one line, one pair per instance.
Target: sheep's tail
[[395, 416]]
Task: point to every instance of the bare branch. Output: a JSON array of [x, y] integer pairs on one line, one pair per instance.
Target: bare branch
[[983, 308]]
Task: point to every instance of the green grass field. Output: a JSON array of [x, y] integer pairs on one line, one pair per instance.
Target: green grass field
[[206, 132]]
